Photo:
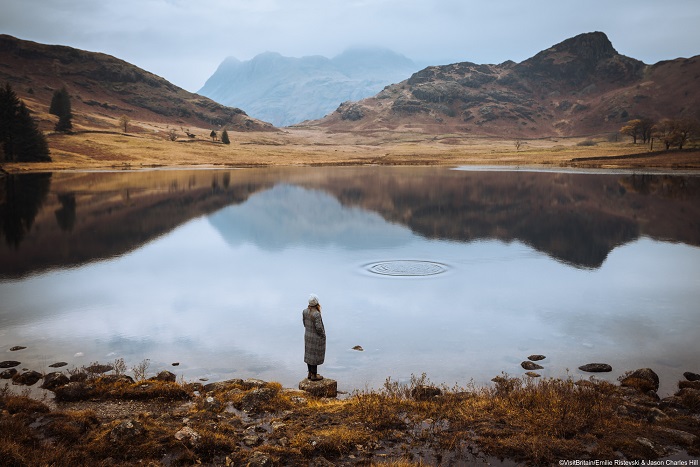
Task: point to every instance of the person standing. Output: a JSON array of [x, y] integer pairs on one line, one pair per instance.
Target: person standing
[[314, 338]]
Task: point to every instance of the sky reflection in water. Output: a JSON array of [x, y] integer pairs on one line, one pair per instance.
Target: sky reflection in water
[[222, 294]]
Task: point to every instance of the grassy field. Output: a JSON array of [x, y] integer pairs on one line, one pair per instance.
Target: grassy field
[[148, 145]]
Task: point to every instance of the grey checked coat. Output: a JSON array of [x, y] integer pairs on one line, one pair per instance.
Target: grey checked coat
[[314, 337]]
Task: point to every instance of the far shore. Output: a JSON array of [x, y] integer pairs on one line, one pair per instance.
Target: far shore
[[302, 146]]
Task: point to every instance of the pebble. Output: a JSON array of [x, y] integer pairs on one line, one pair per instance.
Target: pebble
[[536, 357], [358, 348], [16, 348]]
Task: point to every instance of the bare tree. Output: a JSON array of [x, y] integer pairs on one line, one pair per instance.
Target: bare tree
[[124, 123]]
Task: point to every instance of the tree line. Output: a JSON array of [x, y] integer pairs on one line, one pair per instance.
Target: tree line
[[20, 137], [671, 132]]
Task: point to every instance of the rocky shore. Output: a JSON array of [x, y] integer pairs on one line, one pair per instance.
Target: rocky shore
[[101, 416]]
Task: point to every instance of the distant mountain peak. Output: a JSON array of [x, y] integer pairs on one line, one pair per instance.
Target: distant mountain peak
[[288, 90]]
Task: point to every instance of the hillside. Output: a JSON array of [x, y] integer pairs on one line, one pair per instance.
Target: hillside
[[102, 88], [581, 86], [285, 90]]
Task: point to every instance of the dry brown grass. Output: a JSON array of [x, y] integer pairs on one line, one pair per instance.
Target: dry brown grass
[[526, 420], [147, 145]]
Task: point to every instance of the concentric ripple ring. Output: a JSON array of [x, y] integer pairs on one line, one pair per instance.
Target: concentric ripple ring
[[407, 268]]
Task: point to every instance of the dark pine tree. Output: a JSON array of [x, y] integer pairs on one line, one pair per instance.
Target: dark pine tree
[[60, 106], [224, 137], [20, 137]]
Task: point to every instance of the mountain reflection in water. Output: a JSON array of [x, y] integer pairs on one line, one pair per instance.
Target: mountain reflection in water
[[198, 265]]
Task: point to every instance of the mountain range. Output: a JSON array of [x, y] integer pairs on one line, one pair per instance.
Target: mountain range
[[285, 90], [578, 87]]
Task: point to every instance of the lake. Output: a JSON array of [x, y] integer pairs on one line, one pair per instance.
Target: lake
[[460, 274]]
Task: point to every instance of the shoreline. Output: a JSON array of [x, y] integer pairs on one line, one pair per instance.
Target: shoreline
[[241, 422]]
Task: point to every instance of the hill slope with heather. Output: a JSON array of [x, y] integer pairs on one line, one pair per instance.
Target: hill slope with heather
[[581, 86], [103, 88]]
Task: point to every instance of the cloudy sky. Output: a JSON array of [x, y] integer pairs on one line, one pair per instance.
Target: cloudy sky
[[184, 41]]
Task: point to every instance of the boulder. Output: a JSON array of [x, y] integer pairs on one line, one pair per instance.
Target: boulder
[[689, 385], [221, 385], [74, 391], [536, 357], [324, 388], [688, 375], [28, 377], [54, 380], [9, 364], [531, 366], [165, 376], [8, 374], [251, 383], [643, 380], [255, 399], [424, 393], [596, 367], [117, 379]]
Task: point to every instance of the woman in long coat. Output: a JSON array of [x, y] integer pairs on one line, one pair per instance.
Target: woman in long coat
[[314, 338]]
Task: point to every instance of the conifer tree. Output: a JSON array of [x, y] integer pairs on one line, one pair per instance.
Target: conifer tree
[[20, 137], [60, 106], [224, 137]]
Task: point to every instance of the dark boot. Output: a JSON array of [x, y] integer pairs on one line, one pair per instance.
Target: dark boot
[[316, 377]]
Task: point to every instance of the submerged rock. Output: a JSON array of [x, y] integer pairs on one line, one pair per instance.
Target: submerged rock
[[28, 378], [9, 373], [54, 380], [324, 388], [691, 376], [9, 364], [596, 367], [16, 348], [536, 357], [531, 366], [58, 365]]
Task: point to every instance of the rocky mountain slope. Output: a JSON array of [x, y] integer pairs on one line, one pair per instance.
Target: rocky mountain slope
[[579, 87], [103, 87], [285, 90]]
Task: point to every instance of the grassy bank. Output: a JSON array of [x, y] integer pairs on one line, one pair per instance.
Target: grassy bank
[[113, 420], [147, 145]]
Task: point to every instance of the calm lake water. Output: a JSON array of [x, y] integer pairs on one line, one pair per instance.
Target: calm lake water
[[460, 274]]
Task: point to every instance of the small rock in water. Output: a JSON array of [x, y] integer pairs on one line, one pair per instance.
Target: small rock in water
[[536, 357], [58, 364], [532, 374], [176, 364], [9, 364], [596, 367], [204, 379], [358, 348], [99, 369], [16, 348], [9, 373], [691, 376], [531, 366]]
